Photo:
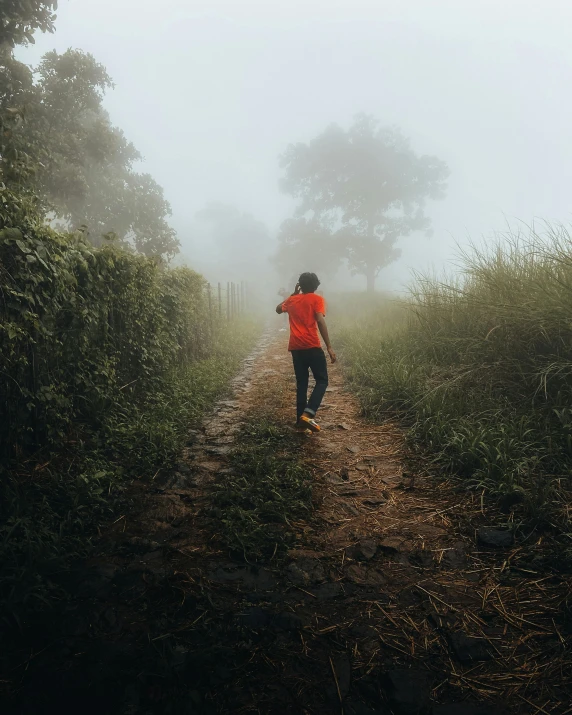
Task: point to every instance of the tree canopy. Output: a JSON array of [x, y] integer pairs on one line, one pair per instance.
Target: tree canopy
[[58, 143], [364, 188], [19, 19]]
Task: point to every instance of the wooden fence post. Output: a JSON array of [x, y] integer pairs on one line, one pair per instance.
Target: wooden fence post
[[219, 301], [210, 309]]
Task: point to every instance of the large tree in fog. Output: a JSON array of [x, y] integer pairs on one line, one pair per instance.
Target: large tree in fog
[[366, 187], [58, 143]]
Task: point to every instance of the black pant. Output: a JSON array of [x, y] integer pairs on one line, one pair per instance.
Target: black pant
[[311, 359]]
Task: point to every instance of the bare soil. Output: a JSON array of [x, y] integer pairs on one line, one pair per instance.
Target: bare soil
[[390, 602]]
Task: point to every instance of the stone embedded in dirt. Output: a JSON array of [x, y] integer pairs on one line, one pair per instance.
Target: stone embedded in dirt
[[357, 573], [229, 439], [303, 554], [181, 481], [334, 479], [344, 426], [455, 558], [249, 577], [138, 544], [349, 491], [408, 691], [220, 450], [392, 480], [391, 545], [421, 558], [350, 508], [468, 649], [288, 621], [209, 466], [327, 591], [362, 575], [407, 484], [375, 578], [183, 467], [365, 549], [375, 501], [499, 538], [306, 572], [353, 449], [230, 403]]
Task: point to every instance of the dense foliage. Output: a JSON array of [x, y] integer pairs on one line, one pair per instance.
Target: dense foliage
[[82, 327], [107, 358], [58, 144], [482, 367], [19, 19]]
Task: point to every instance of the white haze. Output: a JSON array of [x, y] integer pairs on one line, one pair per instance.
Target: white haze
[[212, 91]]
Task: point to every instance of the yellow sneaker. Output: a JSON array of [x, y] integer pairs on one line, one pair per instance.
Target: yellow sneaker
[[309, 423]]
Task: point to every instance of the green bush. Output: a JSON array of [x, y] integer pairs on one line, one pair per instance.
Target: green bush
[[107, 359], [481, 367], [83, 330]]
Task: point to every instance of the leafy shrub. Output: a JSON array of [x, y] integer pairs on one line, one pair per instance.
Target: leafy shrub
[[83, 329], [107, 358]]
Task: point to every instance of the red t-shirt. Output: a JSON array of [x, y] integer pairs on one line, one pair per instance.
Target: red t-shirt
[[302, 309]]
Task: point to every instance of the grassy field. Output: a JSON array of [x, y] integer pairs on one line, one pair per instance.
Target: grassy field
[[480, 370]]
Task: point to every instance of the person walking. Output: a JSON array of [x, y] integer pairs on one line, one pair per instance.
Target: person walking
[[306, 314]]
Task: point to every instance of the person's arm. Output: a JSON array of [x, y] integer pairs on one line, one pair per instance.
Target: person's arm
[[279, 308], [323, 328]]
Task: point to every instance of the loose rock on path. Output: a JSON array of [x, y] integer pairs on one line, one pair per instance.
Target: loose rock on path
[[401, 596]]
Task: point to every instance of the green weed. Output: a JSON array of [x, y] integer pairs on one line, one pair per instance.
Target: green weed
[[480, 369], [257, 503]]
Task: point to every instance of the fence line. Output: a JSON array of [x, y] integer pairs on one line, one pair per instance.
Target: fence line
[[230, 302]]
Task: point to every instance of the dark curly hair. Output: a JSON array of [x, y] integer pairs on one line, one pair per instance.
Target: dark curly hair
[[308, 282]]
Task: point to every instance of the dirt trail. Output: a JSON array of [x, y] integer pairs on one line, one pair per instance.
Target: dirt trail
[[388, 605]]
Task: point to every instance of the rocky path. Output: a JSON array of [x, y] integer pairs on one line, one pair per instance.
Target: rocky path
[[402, 594]]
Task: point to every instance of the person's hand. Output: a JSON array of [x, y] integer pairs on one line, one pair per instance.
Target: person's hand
[[332, 355], [297, 289]]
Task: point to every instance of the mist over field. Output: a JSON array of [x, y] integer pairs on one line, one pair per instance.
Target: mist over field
[[285, 357], [212, 93]]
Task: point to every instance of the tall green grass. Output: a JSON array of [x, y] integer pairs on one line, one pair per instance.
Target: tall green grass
[[480, 367]]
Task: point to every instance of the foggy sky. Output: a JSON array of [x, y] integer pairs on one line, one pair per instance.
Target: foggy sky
[[212, 91]]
